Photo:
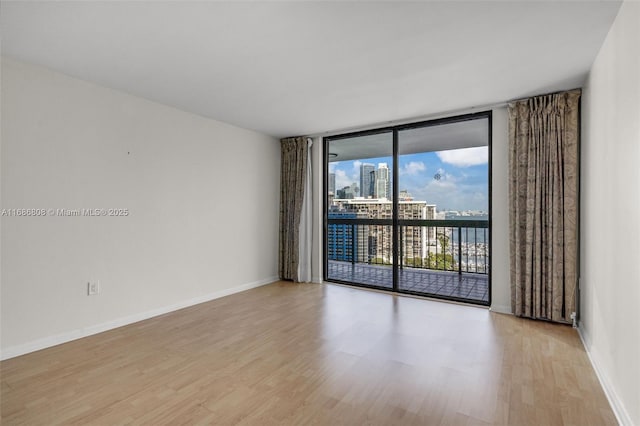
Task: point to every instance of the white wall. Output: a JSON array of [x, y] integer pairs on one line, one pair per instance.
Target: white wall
[[317, 252], [202, 196], [610, 234], [500, 276]]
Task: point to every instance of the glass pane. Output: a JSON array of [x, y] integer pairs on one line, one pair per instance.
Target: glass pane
[[360, 188], [444, 190]]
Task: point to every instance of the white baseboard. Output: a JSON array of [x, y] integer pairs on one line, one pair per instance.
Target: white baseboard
[[58, 339], [622, 415], [501, 309]]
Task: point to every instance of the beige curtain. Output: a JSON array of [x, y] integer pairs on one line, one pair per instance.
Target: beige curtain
[[293, 169], [543, 197]]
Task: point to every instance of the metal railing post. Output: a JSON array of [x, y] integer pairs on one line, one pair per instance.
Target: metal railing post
[[459, 250], [400, 251], [353, 244]]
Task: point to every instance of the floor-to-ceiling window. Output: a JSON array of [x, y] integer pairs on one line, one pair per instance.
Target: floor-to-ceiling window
[[407, 208]]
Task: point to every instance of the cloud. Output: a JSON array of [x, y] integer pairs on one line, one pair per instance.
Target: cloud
[[441, 185], [442, 176], [465, 157], [479, 196], [449, 194], [342, 179], [413, 168], [451, 191]]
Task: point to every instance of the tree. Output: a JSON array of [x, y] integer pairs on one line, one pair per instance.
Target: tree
[[442, 260], [444, 241]]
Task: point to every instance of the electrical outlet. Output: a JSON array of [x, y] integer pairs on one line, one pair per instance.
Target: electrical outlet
[[93, 287]]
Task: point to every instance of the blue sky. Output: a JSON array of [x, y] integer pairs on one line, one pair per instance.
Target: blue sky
[[453, 180]]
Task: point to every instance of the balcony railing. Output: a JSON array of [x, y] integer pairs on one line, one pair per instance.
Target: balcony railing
[[460, 246]]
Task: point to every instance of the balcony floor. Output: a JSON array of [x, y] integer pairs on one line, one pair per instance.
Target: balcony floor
[[472, 287]]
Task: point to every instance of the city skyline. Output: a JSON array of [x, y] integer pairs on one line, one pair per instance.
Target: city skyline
[[453, 180]]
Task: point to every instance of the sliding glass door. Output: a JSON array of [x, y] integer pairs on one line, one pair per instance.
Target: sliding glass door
[[359, 231], [408, 208], [443, 207]]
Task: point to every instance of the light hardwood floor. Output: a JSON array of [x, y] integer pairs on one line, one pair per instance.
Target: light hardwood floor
[[312, 354]]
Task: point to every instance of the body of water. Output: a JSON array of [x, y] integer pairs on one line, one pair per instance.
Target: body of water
[[470, 235]]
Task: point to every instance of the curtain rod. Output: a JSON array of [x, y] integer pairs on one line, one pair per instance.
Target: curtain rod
[[452, 112]]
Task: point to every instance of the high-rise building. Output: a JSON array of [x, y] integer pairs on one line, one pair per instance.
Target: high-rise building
[[348, 192], [332, 184], [344, 193], [414, 239], [355, 190], [383, 181], [367, 185], [405, 196], [372, 183], [346, 242]]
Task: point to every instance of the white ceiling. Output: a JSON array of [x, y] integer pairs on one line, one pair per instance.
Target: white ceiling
[[432, 138], [296, 68]]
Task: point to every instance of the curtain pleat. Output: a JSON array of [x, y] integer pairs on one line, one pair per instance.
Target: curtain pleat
[[543, 197], [306, 219], [293, 163]]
